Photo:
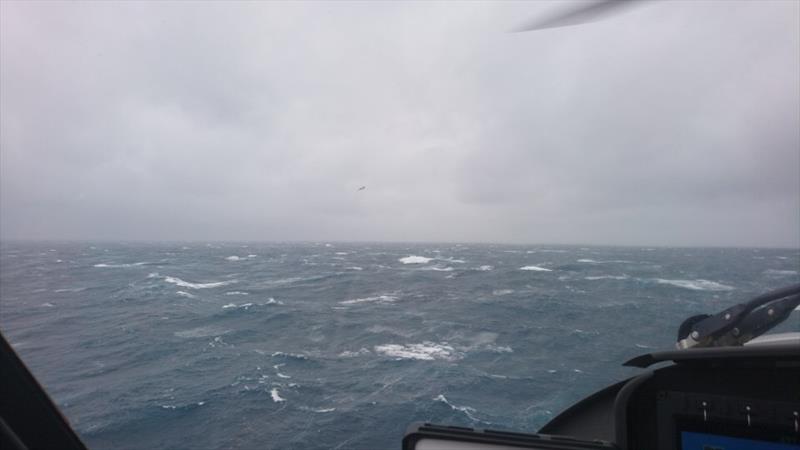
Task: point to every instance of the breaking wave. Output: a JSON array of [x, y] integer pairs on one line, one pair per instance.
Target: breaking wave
[[118, 266], [780, 273], [535, 268], [276, 397], [426, 351], [187, 284], [413, 259], [467, 410], [351, 354], [384, 298], [234, 305], [697, 285]]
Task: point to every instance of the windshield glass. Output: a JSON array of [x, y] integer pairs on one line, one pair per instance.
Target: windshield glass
[[271, 225]]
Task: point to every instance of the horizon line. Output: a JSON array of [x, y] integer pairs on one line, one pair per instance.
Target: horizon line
[[398, 242]]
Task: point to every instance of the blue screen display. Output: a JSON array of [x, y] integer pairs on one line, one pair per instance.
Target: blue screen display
[[704, 441]]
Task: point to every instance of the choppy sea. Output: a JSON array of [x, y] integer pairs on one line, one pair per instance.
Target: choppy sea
[[341, 346]]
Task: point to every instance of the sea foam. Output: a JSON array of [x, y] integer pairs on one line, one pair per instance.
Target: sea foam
[[413, 259], [276, 397], [117, 266], [384, 298], [780, 273], [535, 269], [426, 351], [697, 285], [464, 409], [187, 284], [607, 277]]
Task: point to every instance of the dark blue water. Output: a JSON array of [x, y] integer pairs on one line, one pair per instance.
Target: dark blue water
[[310, 346]]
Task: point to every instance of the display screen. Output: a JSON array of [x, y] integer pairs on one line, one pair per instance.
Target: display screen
[[705, 441]]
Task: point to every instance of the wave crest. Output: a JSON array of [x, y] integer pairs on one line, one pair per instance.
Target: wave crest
[[187, 284], [413, 259], [535, 269], [425, 351], [697, 285]]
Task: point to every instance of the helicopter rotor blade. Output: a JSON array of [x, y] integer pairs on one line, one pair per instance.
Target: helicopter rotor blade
[[582, 13]]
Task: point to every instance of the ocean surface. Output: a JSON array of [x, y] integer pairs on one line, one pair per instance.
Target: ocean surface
[[341, 346]]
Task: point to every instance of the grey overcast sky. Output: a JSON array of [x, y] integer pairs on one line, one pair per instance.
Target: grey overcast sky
[[676, 123]]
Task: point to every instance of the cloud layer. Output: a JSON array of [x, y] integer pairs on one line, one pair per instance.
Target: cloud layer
[[677, 123]]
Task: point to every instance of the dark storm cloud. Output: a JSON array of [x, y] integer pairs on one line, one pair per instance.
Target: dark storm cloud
[[676, 123]]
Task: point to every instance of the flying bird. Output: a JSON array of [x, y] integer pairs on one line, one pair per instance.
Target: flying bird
[[362, 188]]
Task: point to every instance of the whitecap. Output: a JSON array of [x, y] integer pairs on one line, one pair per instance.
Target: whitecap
[[355, 268], [317, 410], [426, 351], [252, 256], [439, 269], [236, 293], [413, 259], [70, 290], [323, 410], [48, 305], [187, 284], [697, 285], [272, 301], [535, 268], [780, 273], [290, 355], [383, 298], [234, 258], [277, 371], [486, 268], [234, 305], [464, 409], [453, 260], [351, 354], [117, 266], [607, 277], [499, 348], [609, 261], [276, 396], [185, 294], [341, 253]]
